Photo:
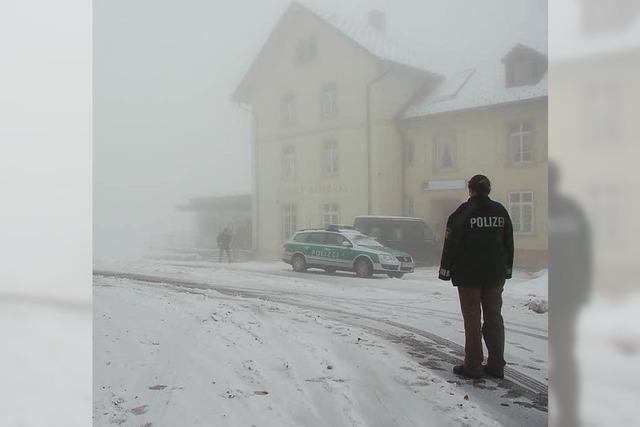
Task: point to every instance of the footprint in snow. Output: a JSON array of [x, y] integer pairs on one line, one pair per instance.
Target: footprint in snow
[[157, 387], [140, 410]]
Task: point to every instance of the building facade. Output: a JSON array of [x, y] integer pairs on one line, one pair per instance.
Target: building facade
[[211, 215], [594, 127], [348, 123]]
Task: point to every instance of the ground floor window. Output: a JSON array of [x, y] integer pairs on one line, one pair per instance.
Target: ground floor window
[[521, 210], [409, 206], [289, 219], [330, 214]]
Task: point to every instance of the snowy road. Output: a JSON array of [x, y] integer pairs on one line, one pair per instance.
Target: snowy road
[[390, 344]]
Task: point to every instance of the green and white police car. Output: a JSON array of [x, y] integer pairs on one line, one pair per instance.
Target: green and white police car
[[338, 248]]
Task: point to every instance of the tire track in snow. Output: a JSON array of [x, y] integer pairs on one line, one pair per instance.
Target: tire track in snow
[[532, 331], [516, 384]]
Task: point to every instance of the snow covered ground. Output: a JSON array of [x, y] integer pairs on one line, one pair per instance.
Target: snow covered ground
[[200, 343], [608, 351], [45, 361]]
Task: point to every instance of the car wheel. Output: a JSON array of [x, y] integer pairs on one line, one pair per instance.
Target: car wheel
[[298, 263], [330, 270], [363, 268], [395, 275]]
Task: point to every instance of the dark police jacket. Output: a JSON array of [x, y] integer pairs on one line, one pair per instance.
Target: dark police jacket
[[478, 245]]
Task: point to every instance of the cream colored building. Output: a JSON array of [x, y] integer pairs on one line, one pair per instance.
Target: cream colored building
[[594, 128], [347, 122]]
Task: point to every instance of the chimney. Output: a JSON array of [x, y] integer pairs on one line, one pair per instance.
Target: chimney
[[377, 20]]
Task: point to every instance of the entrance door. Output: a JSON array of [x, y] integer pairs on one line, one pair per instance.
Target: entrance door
[[440, 209]]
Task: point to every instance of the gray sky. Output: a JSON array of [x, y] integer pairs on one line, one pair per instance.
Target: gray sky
[[164, 126]]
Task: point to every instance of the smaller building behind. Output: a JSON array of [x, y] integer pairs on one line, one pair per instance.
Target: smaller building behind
[[213, 214]]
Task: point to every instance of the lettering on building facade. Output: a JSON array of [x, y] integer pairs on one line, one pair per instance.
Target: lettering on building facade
[[319, 188]]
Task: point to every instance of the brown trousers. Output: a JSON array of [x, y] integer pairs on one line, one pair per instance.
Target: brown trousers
[[489, 299]]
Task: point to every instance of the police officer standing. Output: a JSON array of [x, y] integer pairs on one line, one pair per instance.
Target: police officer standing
[[477, 257]]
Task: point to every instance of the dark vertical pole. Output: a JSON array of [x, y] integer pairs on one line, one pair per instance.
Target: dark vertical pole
[[256, 184], [369, 186], [403, 168], [369, 192]]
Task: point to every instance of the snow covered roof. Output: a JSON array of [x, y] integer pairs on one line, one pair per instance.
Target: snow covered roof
[[482, 86], [376, 42], [479, 83]]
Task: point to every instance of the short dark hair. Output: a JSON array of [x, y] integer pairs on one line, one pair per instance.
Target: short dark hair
[[480, 184]]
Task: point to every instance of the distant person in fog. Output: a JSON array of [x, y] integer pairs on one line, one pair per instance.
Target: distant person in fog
[[224, 243], [569, 289], [478, 257]]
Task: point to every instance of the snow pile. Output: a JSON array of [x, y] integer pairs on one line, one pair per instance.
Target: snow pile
[[45, 360], [537, 305], [528, 284]]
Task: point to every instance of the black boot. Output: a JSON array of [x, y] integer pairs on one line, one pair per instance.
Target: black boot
[[459, 370], [493, 372]]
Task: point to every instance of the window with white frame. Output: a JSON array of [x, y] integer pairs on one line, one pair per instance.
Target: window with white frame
[[446, 150], [521, 142], [521, 211], [330, 157], [289, 220], [288, 110], [330, 214], [288, 163], [329, 101]]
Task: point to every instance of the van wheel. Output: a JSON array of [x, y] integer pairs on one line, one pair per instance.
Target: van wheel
[[395, 275], [330, 270], [363, 268], [298, 263]]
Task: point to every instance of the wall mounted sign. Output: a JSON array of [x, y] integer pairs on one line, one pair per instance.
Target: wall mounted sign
[[444, 184], [319, 188]]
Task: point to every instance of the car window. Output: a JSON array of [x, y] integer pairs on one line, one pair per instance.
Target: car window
[[374, 232], [334, 239], [317, 238], [301, 237], [361, 239], [418, 231], [428, 233], [392, 233], [415, 231]]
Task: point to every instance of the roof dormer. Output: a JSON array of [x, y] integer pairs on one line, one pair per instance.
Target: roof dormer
[[524, 66]]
